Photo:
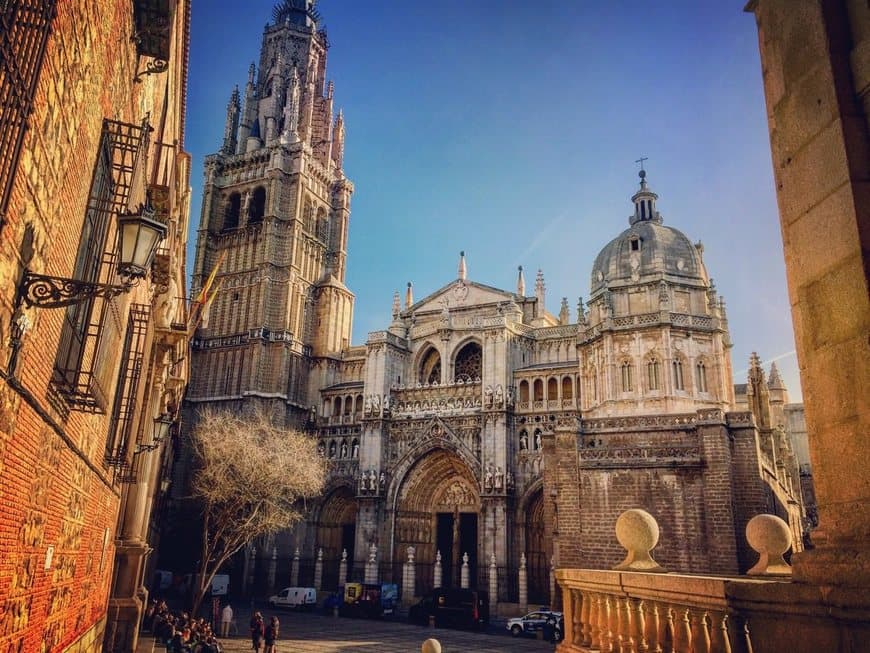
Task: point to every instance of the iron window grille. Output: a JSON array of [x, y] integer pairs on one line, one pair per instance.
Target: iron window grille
[[122, 422], [83, 368], [25, 26]]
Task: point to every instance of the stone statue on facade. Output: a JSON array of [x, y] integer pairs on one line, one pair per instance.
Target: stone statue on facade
[[499, 396], [499, 478], [373, 480], [355, 451], [524, 441], [382, 480], [344, 449], [321, 450], [537, 440], [487, 478], [332, 449], [487, 397]]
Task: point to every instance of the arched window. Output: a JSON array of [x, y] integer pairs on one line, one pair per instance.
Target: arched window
[[232, 210], [430, 368], [539, 390], [337, 406], [348, 405], [524, 391], [679, 384], [701, 376], [552, 389], [627, 380], [567, 388], [652, 374], [308, 217], [358, 408], [469, 363], [257, 206]]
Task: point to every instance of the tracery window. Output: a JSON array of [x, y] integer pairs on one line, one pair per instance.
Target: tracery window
[[627, 380], [469, 363], [257, 206], [678, 375], [652, 374], [232, 211], [701, 376], [430, 368]]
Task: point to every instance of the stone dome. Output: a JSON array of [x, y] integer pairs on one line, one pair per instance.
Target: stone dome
[[647, 248]]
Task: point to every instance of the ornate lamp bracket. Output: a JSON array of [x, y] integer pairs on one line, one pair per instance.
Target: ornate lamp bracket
[[153, 67], [44, 291]]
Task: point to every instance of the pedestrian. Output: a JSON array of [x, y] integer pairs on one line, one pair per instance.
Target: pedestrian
[[271, 635], [226, 620], [257, 631]]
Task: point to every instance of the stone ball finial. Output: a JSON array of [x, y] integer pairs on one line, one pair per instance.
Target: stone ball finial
[[638, 533], [431, 646], [770, 536]]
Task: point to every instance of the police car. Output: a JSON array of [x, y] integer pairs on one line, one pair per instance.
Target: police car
[[535, 621]]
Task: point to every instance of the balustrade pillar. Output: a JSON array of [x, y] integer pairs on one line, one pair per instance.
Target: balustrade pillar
[[700, 636], [608, 625], [595, 620], [637, 625], [719, 624], [651, 627], [584, 632], [682, 630]]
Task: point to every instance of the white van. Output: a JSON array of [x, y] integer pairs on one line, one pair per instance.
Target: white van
[[294, 597]]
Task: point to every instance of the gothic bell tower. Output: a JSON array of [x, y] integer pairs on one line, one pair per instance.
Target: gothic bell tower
[[274, 225]]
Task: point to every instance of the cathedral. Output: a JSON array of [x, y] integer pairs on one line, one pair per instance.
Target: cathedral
[[477, 427]]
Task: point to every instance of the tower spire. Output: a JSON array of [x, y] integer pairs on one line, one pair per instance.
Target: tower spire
[[521, 282], [232, 124], [463, 272], [540, 289], [397, 306], [409, 295]]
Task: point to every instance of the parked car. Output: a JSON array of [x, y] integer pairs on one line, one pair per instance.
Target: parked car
[[457, 608], [369, 600], [294, 597], [538, 620]]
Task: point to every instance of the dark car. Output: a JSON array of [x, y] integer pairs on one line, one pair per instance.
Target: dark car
[[552, 623], [453, 608]]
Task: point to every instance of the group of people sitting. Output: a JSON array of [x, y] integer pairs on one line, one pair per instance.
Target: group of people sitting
[[179, 632]]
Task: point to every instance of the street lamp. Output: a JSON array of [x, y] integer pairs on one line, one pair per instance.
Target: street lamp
[[138, 236], [160, 432]]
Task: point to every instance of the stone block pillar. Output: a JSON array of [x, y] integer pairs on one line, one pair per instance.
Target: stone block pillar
[[817, 89], [273, 568], [493, 584], [318, 570], [372, 565], [718, 489], [342, 568], [523, 584], [408, 577], [294, 569], [436, 581]]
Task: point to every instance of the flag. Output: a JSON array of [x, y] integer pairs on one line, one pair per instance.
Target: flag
[[204, 298]]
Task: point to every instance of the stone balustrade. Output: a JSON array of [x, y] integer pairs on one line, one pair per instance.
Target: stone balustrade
[[636, 612]]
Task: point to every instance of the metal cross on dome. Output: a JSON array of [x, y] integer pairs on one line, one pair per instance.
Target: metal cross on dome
[[641, 160]]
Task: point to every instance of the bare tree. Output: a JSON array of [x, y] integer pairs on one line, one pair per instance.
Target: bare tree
[[251, 475]]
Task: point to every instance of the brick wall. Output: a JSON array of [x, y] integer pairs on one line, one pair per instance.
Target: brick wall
[[59, 502]]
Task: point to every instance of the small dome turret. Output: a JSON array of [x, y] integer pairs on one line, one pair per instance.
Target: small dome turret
[[647, 250]]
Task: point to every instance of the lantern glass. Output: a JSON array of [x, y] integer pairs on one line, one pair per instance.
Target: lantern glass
[[138, 236], [161, 427]]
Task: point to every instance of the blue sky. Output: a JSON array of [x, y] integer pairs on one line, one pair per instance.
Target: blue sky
[[509, 129]]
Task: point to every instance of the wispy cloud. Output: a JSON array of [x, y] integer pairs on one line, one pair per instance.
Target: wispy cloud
[[544, 235], [767, 362]]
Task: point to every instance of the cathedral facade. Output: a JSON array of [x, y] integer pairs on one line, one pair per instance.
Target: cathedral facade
[[477, 428]]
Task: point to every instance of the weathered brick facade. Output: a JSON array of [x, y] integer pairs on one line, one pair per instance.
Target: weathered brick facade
[[59, 499]]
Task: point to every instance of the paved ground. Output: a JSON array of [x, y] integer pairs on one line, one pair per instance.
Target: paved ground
[[313, 633]]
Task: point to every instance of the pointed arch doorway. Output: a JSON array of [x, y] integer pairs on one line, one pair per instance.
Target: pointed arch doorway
[[538, 551], [336, 531], [437, 509]]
